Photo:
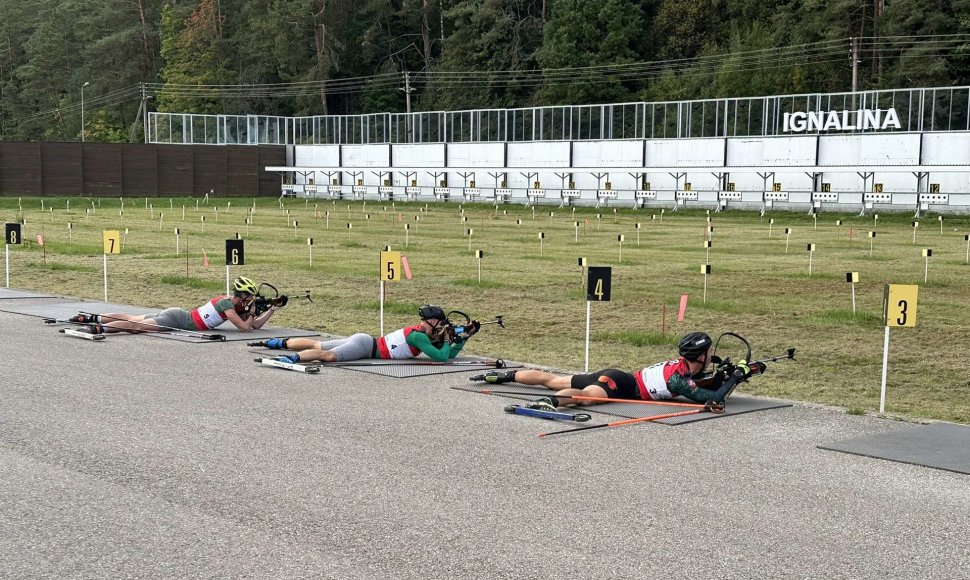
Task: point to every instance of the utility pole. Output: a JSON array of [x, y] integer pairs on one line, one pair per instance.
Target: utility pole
[[407, 98], [141, 115], [855, 63]]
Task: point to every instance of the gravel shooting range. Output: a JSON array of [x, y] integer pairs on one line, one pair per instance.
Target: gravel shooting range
[[329, 304]]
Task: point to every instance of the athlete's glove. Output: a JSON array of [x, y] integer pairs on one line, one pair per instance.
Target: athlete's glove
[[281, 301], [744, 368], [473, 328]]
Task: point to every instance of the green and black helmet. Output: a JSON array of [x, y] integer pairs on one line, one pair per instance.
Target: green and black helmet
[[694, 345]]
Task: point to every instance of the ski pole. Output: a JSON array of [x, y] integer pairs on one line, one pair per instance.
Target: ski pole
[[625, 422], [597, 399]]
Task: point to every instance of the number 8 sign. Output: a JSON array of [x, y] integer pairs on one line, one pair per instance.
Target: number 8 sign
[[12, 235]]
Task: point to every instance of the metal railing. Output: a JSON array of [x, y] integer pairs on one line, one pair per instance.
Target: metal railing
[[918, 110]]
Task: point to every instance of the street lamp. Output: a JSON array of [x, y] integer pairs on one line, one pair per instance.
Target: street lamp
[[82, 110]]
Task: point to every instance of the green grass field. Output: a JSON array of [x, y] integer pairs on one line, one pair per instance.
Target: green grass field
[[759, 287]]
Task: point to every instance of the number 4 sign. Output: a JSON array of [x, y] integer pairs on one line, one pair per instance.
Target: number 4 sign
[[598, 283], [598, 286], [899, 309]]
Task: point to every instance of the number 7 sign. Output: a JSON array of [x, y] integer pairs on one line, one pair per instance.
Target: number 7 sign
[[112, 241]]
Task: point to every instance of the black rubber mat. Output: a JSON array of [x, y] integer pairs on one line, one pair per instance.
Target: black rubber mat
[[940, 446], [737, 404], [64, 310], [10, 293], [403, 369]]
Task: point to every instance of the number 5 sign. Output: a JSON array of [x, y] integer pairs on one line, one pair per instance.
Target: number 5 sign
[[390, 266]]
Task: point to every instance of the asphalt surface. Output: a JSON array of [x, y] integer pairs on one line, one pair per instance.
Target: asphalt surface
[[136, 457]]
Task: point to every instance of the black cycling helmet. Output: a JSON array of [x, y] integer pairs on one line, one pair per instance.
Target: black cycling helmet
[[428, 312], [694, 345]]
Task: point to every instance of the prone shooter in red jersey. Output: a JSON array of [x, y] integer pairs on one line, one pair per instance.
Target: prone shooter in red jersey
[[434, 337], [240, 309], [684, 376]]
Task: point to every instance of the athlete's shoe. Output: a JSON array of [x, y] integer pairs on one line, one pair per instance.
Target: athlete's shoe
[[495, 377], [290, 358], [83, 319], [542, 404], [91, 329]]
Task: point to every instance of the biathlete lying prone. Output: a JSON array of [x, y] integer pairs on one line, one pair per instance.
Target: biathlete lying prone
[[665, 380], [239, 309], [434, 336]]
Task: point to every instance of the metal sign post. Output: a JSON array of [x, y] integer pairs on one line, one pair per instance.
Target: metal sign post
[[598, 289]]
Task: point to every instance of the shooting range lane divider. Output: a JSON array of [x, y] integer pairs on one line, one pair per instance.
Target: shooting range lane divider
[[389, 270], [598, 288], [235, 256], [899, 309]]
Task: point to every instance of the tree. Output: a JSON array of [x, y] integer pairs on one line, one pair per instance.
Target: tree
[[605, 35], [193, 50], [499, 37]]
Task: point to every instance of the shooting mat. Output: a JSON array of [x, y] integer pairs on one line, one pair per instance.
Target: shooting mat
[[64, 310], [8, 293], [403, 369], [737, 404], [940, 446]]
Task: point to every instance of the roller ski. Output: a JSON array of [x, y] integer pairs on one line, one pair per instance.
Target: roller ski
[[282, 363], [84, 332], [544, 409]]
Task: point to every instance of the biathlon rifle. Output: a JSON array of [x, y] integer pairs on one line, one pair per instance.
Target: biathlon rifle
[[727, 375], [263, 301], [460, 331]]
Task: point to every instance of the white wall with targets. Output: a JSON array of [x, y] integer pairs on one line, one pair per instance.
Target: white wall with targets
[[886, 171]]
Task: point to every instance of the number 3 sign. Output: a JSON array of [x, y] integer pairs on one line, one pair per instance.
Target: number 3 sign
[[900, 304]]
